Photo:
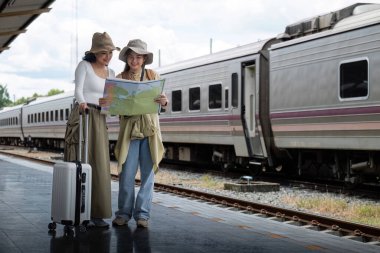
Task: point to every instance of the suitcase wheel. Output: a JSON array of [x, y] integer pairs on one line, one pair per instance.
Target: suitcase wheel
[[68, 230], [82, 229], [52, 226]]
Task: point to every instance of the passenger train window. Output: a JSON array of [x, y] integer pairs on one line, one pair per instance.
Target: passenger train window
[[39, 117], [56, 115], [42, 116], [47, 116], [226, 106], [51, 116], [194, 98], [353, 79], [67, 114], [61, 115], [215, 96], [234, 90], [176, 100]]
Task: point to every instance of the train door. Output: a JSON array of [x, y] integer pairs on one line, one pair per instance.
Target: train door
[[250, 108]]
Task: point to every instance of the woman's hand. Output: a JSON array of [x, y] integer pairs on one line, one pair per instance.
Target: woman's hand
[[83, 107], [162, 99]]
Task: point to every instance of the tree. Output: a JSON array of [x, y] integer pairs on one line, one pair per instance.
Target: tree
[[4, 96], [5, 101], [20, 101], [53, 92]]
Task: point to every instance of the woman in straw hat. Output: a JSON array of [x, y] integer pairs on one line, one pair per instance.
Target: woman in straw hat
[[90, 76], [139, 143]]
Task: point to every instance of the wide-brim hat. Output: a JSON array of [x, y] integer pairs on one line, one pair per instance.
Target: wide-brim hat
[[101, 42], [139, 47]]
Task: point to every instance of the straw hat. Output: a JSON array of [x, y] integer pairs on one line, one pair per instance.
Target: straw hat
[[139, 47], [101, 42]]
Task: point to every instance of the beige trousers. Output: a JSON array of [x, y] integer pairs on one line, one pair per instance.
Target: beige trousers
[[98, 158]]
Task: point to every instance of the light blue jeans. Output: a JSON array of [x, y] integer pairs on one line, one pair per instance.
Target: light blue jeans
[[138, 154]]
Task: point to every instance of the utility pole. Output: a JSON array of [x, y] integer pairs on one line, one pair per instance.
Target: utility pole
[[159, 57], [210, 45], [76, 31]]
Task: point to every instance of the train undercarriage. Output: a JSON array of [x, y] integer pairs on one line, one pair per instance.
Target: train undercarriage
[[219, 157], [40, 143], [353, 167]]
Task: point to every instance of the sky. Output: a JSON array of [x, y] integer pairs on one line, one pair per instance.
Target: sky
[[45, 57]]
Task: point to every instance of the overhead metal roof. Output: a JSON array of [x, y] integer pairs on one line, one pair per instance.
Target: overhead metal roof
[[16, 16]]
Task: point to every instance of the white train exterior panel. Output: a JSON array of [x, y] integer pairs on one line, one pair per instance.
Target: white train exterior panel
[[43, 128], [199, 126], [306, 109], [10, 123]]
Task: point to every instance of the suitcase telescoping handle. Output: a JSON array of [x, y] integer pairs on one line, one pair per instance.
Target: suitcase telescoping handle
[[85, 137]]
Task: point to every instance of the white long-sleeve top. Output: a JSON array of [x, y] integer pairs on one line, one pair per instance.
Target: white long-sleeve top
[[89, 87]]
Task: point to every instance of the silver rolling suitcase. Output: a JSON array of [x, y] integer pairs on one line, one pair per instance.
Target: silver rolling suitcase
[[71, 191]]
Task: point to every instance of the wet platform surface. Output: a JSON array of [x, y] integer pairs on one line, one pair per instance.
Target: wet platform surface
[[177, 224]]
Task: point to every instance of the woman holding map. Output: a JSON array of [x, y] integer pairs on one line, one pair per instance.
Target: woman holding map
[[90, 76], [139, 143]]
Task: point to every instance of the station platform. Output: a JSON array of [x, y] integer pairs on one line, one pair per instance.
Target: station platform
[[178, 224]]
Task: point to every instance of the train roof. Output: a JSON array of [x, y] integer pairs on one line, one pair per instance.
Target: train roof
[[7, 109], [41, 100], [350, 18], [237, 52]]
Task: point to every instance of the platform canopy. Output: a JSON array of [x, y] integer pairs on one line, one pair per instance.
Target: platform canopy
[[16, 16]]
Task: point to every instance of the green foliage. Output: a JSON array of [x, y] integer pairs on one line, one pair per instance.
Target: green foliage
[[207, 181], [368, 214], [4, 96], [323, 204], [20, 101], [53, 92], [23, 100]]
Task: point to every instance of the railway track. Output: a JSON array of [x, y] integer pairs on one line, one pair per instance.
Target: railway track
[[369, 191], [355, 231]]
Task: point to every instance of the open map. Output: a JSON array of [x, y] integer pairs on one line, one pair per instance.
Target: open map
[[125, 97]]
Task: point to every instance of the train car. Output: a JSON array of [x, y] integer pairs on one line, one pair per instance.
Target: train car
[[325, 94], [10, 125], [215, 109], [310, 94], [44, 120]]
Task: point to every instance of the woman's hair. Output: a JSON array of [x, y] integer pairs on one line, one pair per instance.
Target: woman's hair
[[126, 68], [90, 57]]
